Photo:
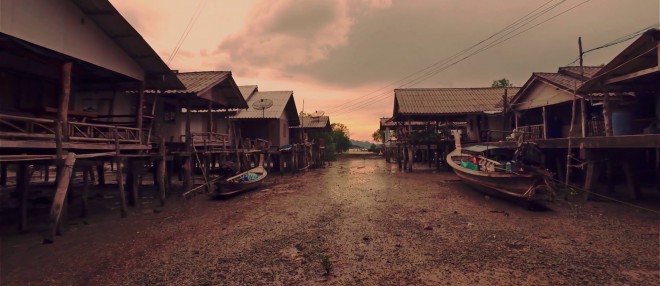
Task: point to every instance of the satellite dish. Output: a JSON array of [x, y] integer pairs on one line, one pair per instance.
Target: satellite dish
[[262, 104], [317, 114]]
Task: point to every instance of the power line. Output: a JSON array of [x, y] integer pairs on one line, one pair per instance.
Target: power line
[[521, 22], [492, 44], [617, 41], [186, 31], [453, 56]]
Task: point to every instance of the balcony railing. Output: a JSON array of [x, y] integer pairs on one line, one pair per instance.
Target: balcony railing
[[209, 139], [22, 127], [595, 127], [12, 126], [79, 131], [531, 132]]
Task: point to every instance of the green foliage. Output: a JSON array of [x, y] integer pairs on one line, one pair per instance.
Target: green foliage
[[340, 136], [373, 148], [501, 83], [377, 135]]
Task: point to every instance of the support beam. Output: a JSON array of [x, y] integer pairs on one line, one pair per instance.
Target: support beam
[[140, 110], [60, 196], [545, 122], [632, 75], [591, 178], [631, 180], [87, 171], [583, 117], [22, 186], [3, 174], [162, 171], [65, 95]]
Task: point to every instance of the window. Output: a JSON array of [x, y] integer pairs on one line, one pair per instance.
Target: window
[[169, 112]]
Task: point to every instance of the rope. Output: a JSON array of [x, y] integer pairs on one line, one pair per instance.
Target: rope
[[605, 197]]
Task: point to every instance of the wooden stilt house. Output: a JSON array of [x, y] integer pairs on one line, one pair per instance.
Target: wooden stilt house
[[64, 70]]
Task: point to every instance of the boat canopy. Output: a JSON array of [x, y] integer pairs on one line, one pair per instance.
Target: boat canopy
[[479, 148]]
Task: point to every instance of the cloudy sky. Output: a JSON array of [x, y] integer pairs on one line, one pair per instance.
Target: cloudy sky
[[345, 57]]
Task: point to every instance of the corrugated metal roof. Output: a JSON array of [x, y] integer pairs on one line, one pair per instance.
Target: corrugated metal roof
[[281, 101], [308, 122], [247, 90], [197, 82], [575, 71], [112, 23], [560, 80], [448, 101], [204, 86], [640, 55]]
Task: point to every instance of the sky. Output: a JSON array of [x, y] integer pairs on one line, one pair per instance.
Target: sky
[[345, 57]]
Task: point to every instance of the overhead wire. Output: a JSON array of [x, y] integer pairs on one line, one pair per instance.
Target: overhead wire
[[492, 44], [617, 41], [443, 61], [186, 31], [519, 23]]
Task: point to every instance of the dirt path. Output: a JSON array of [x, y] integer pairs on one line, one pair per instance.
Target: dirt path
[[375, 225]]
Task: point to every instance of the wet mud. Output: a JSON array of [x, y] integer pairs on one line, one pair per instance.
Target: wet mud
[[358, 221]]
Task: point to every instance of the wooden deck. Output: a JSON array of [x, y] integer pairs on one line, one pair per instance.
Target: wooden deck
[[604, 142]]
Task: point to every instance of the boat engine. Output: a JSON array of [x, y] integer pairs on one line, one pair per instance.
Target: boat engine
[[528, 153]]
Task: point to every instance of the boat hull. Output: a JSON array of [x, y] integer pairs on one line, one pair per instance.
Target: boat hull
[[508, 185], [230, 186]]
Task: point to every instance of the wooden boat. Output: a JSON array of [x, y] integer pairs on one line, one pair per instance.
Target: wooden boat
[[239, 183], [520, 180]]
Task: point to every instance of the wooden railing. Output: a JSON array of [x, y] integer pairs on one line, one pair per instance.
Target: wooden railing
[[531, 132], [595, 127], [22, 127], [12, 126], [79, 131], [212, 139]]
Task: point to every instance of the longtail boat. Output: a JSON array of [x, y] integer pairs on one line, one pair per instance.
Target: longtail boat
[[248, 180], [505, 172]]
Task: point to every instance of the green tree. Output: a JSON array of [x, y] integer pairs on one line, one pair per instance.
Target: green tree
[[340, 137], [501, 83], [377, 136]]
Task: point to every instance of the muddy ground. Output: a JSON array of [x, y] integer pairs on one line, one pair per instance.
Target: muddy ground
[[370, 223]]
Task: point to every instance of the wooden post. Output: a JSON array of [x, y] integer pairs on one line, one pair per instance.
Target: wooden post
[[120, 175], [591, 178], [140, 111], [135, 180], [411, 158], [60, 196], [188, 165], [609, 172], [583, 117], [428, 155], [505, 112], [87, 171], [3, 174], [100, 171], [607, 115], [545, 123], [22, 186], [46, 170], [633, 186], [65, 95], [161, 171]]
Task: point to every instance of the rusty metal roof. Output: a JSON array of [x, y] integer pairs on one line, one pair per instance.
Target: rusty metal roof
[[157, 74], [636, 68], [448, 101], [308, 122], [576, 71], [283, 101], [248, 90], [218, 87]]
